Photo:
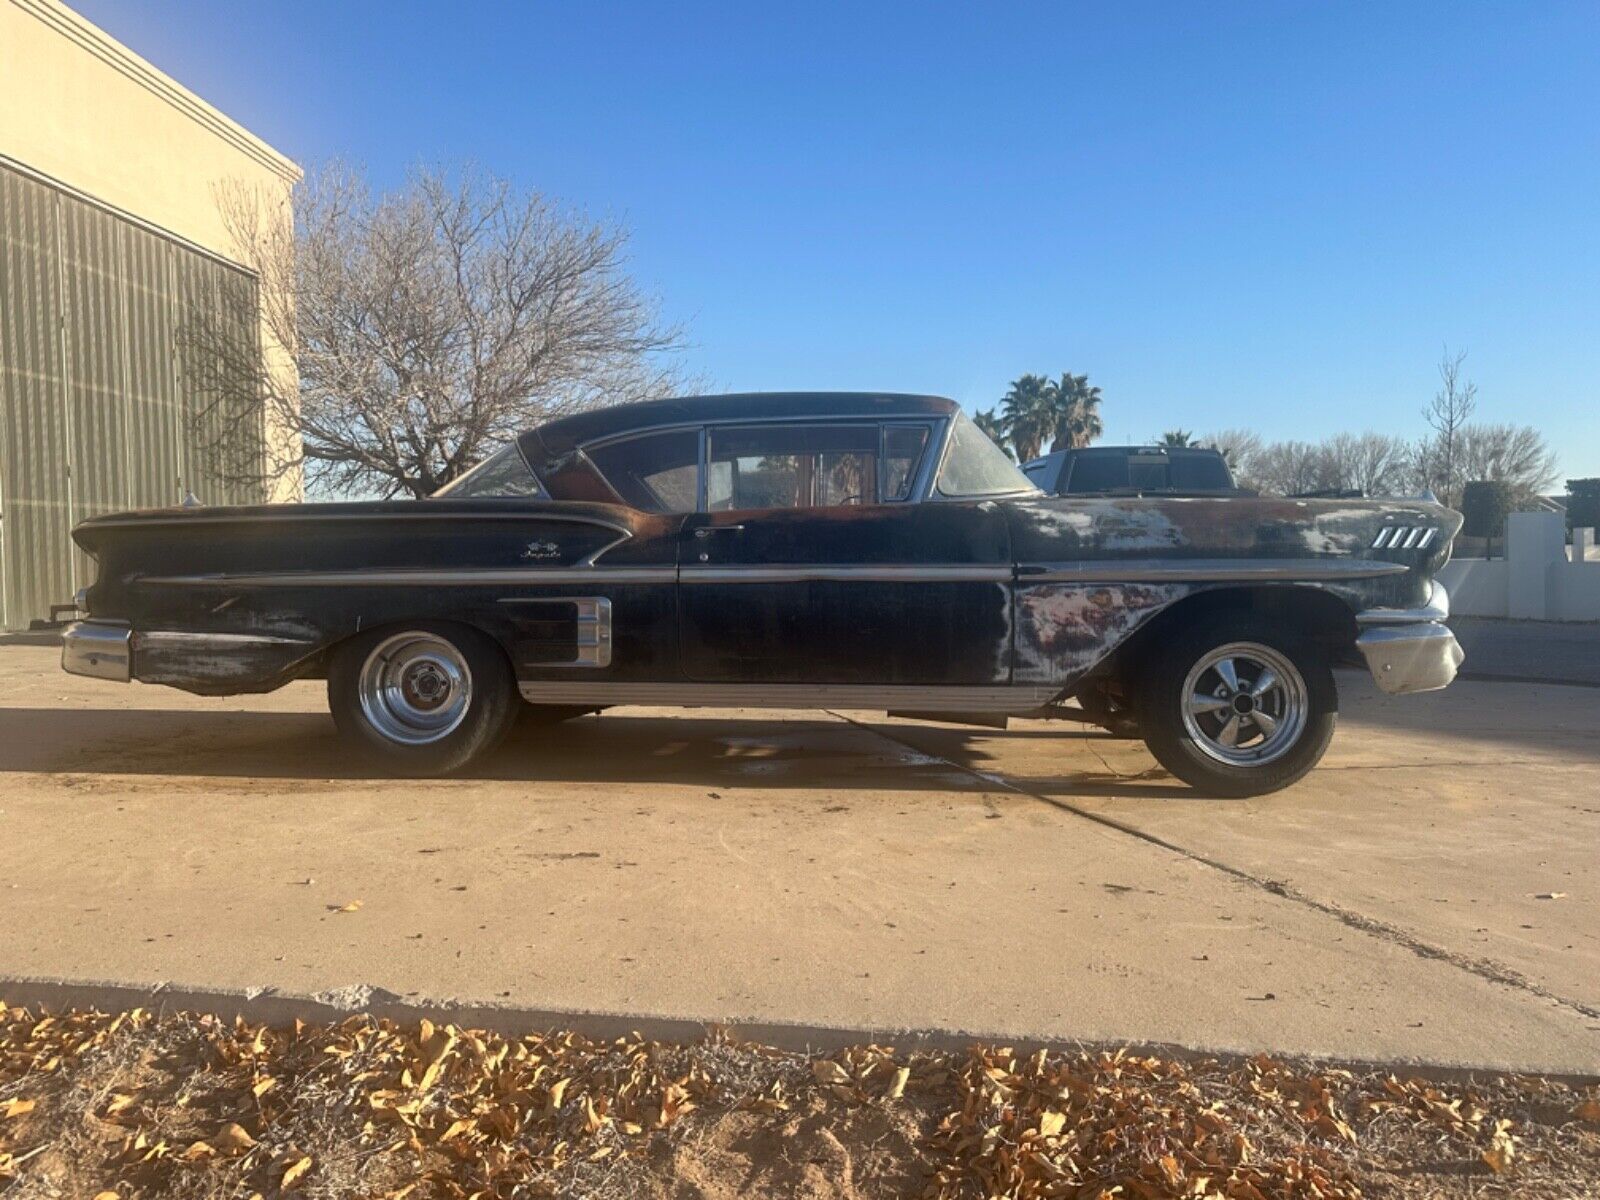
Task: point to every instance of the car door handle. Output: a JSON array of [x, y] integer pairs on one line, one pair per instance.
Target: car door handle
[[706, 531]]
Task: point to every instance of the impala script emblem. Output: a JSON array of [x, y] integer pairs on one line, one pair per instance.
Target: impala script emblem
[[541, 550]]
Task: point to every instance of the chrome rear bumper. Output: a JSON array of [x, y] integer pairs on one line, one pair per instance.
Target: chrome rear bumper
[[1410, 649], [98, 650]]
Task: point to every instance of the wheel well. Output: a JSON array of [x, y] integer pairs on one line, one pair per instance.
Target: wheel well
[[316, 666], [1319, 616]]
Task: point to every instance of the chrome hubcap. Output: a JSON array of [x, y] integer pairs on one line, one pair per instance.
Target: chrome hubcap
[[415, 688], [1245, 704]]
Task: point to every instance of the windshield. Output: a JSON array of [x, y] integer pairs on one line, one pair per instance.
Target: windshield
[[504, 474], [975, 466]]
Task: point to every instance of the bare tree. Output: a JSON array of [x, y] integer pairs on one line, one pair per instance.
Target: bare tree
[[1514, 454], [1374, 463], [1438, 458], [1239, 448], [1288, 467], [428, 325]]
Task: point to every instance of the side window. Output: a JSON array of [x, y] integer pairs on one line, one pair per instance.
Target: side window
[[791, 466], [975, 466], [657, 472], [903, 447]]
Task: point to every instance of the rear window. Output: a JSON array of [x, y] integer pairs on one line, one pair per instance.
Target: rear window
[[503, 475], [1149, 471]]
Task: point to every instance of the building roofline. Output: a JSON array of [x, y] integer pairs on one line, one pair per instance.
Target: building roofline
[[117, 56]]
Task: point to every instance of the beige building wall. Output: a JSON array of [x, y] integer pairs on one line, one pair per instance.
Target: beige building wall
[[83, 110]]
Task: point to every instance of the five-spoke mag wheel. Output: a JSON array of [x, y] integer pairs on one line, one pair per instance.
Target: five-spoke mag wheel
[[1246, 704], [1237, 705]]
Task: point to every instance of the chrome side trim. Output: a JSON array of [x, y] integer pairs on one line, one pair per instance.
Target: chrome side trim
[[519, 576], [918, 697], [178, 639], [884, 573], [1206, 570], [98, 650], [593, 640], [1420, 657], [1436, 609], [291, 513]]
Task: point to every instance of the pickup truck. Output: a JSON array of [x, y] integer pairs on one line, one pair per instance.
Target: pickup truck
[[1134, 471]]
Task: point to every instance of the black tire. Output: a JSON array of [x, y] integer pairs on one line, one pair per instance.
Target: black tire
[[378, 728], [1162, 702]]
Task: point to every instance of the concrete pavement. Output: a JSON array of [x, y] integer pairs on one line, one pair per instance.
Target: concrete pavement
[[830, 871]]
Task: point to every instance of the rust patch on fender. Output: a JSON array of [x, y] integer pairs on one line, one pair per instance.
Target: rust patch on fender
[[1064, 630]]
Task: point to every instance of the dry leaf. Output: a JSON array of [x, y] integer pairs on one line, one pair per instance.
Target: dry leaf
[[197, 1151], [353, 906], [294, 1172], [828, 1071], [1589, 1112], [234, 1137], [898, 1087], [17, 1107], [262, 1086]]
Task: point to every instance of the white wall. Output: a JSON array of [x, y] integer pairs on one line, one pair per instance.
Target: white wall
[[1535, 581], [1477, 586]]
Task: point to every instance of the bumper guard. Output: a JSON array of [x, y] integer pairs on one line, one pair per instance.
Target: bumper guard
[[99, 650], [1410, 649]]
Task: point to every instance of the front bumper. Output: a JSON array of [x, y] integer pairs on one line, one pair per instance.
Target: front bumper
[[1410, 649], [99, 650]]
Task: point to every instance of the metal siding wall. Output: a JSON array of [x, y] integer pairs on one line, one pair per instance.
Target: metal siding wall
[[96, 370], [101, 405], [155, 420], [36, 505]]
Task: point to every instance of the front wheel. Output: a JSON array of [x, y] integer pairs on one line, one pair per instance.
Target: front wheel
[[424, 699], [1238, 706]]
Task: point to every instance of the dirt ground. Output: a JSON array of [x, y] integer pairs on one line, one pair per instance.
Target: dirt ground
[[1428, 895], [187, 1105]]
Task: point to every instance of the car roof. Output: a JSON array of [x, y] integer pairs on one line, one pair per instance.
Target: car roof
[[567, 433]]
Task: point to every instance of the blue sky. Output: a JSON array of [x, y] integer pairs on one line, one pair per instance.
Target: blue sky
[[1268, 215]]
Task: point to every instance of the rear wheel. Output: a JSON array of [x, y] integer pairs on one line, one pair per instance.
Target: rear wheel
[[424, 699], [1239, 706]]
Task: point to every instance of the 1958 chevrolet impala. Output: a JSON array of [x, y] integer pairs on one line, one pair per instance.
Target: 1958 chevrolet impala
[[860, 551]]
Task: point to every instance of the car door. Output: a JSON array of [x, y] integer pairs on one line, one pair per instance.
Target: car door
[[811, 562]]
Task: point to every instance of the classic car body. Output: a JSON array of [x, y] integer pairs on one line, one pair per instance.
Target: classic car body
[[859, 550]]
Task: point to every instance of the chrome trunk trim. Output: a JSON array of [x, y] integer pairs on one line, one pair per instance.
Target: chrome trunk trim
[[919, 697]]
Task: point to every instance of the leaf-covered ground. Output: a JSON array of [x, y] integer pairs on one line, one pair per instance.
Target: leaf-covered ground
[[187, 1105]]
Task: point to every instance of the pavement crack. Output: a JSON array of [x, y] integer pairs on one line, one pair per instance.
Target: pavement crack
[[1483, 968]]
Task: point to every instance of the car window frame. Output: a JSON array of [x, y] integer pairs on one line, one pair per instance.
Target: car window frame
[[938, 428]]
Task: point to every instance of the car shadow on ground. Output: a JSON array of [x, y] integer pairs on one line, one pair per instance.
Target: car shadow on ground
[[704, 751]]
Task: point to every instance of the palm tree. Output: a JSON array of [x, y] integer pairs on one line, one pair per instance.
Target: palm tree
[[1177, 438], [1077, 405], [1028, 413], [995, 426]]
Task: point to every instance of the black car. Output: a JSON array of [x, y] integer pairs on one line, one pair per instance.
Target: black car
[[858, 551]]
